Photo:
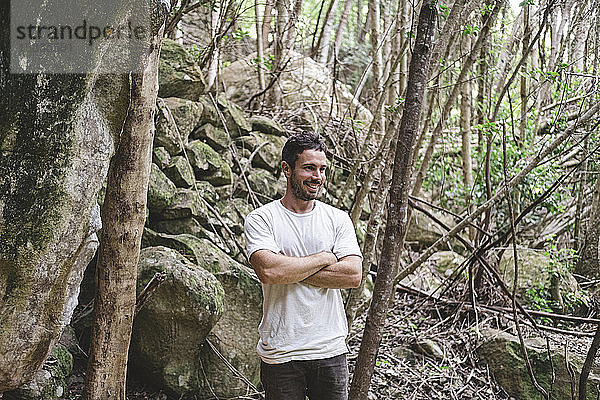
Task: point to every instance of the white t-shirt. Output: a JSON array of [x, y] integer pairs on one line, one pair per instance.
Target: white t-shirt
[[301, 321]]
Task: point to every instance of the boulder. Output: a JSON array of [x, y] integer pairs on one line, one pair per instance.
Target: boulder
[[185, 203], [232, 213], [160, 190], [55, 148], [49, 382], [189, 226], [235, 118], [161, 157], [423, 231], [208, 192], [169, 330], [187, 114], [262, 183], [264, 124], [501, 351], [268, 155], [306, 85], [180, 172], [208, 164], [447, 262], [178, 74], [235, 335], [165, 133], [537, 269], [216, 138]]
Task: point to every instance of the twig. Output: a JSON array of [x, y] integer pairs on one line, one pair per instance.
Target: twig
[[150, 288], [587, 365]]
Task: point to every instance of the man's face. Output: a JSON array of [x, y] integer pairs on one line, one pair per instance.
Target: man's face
[[308, 176]]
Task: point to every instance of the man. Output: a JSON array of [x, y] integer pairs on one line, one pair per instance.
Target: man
[[303, 251]]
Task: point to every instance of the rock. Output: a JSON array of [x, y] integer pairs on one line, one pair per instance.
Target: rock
[[160, 190], [49, 382], [304, 82], [189, 226], [178, 74], [208, 165], [269, 148], [180, 172], [161, 157], [423, 231], [208, 192], [165, 133], [234, 335], [187, 114], [537, 268], [263, 124], [216, 138], [169, 330], [233, 212], [428, 348], [237, 124], [210, 115], [502, 353], [262, 183], [55, 148], [446, 262], [186, 203]]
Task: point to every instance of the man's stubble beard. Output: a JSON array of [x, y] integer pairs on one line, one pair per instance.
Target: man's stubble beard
[[299, 192]]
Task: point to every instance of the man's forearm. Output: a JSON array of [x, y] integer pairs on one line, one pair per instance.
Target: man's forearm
[[344, 274], [273, 268]]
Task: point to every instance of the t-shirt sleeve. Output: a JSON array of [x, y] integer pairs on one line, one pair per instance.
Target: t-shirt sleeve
[[345, 243], [259, 234]]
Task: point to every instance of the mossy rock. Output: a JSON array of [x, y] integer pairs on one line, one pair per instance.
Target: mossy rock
[[187, 114], [178, 74], [237, 123], [502, 353], [189, 226], [185, 203], [165, 132], [169, 330], [262, 183], [180, 172], [216, 138], [49, 383], [161, 157], [208, 164], [264, 124], [160, 190], [233, 212], [208, 192]]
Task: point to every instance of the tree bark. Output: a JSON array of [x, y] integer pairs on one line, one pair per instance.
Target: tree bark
[[123, 216], [398, 205], [465, 130], [589, 257], [323, 43], [339, 33]]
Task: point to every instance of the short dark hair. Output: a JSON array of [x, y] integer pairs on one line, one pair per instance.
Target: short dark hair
[[299, 142]]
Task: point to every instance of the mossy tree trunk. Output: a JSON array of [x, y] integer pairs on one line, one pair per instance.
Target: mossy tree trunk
[[123, 215]]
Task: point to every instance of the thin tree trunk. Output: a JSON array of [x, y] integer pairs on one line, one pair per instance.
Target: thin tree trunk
[[123, 216], [323, 44], [523, 86], [260, 49], [266, 22], [339, 33], [589, 255], [213, 64], [398, 206], [465, 129], [466, 67]]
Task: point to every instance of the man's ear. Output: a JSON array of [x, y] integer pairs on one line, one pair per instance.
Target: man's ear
[[287, 170]]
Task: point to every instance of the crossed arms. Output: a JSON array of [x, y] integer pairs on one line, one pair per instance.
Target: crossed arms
[[320, 269]]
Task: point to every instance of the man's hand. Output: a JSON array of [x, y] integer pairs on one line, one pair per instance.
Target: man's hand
[[273, 268], [344, 274]]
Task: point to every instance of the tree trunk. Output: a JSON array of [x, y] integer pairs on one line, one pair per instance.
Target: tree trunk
[[260, 48], [397, 210], [465, 130], [589, 257], [523, 86], [322, 48], [266, 22], [339, 33], [123, 216]]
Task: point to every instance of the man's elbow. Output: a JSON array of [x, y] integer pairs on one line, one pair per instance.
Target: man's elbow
[[355, 279]]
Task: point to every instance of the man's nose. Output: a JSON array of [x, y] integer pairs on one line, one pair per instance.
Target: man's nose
[[318, 175]]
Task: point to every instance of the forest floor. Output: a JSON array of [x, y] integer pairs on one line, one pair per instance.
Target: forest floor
[[448, 370]]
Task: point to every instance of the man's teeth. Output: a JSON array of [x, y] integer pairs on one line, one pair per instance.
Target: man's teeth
[[313, 185]]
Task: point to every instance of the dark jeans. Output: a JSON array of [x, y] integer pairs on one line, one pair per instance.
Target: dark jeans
[[325, 379]]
